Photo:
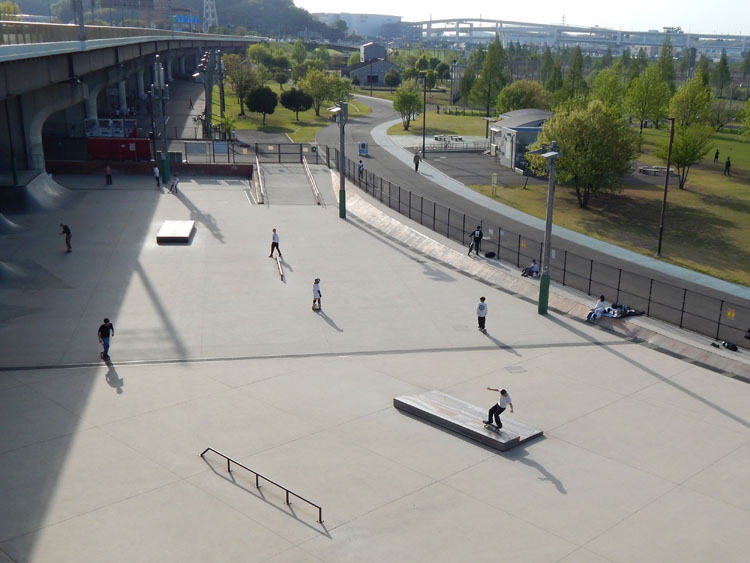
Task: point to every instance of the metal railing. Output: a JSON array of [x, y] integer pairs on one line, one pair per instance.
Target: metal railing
[[310, 179], [261, 187], [258, 476], [722, 319]]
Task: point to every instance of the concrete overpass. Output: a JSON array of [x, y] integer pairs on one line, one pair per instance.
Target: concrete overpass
[[48, 75], [483, 30]]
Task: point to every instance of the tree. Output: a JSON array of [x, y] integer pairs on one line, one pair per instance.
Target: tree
[[689, 146], [299, 72], [607, 59], [10, 11], [227, 126], [691, 104], [339, 89], [546, 68], [555, 80], [491, 79], [423, 63], [746, 120], [260, 54], [355, 80], [746, 72], [574, 82], [409, 73], [431, 78], [721, 74], [407, 101], [464, 84], [647, 96], [262, 100], [296, 101], [607, 87], [522, 94], [596, 145], [703, 70], [282, 78], [666, 63], [434, 62], [322, 57], [241, 76], [299, 53], [280, 62], [316, 84], [443, 71], [392, 78], [353, 59]]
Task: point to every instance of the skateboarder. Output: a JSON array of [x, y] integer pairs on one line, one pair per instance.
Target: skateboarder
[[496, 410], [481, 314], [173, 185], [317, 294], [66, 231], [105, 332], [275, 244]]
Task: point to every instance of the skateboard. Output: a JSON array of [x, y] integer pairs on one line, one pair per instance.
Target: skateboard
[[492, 427]]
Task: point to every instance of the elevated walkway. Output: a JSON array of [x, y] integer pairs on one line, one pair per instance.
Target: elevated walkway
[[465, 419]]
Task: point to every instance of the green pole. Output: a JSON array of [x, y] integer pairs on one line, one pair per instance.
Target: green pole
[[343, 114]]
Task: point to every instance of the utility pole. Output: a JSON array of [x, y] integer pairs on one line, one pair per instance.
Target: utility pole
[[161, 91], [343, 115], [666, 185]]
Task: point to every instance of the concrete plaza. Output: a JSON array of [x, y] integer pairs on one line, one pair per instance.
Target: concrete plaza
[[644, 456]]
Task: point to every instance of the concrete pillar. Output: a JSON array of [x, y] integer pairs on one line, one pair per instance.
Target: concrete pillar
[[168, 76], [139, 91], [91, 106], [122, 90], [182, 66]]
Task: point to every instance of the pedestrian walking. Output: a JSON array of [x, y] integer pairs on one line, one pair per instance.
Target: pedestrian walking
[[417, 160], [105, 332], [476, 239], [156, 176], [497, 409], [108, 175], [316, 294], [65, 230], [275, 244], [173, 185], [482, 314], [727, 166], [716, 156], [361, 169]]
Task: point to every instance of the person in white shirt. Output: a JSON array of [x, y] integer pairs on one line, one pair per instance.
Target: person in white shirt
[[598, 309], [481, 313], [156, 176], [173, 185], [316, 294], [531, 271], [496, 410], [275, 244]]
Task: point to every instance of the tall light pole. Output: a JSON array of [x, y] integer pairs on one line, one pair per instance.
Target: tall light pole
[[423, 76], [666, 185], [343, 115], [550, 153], [161, 90]]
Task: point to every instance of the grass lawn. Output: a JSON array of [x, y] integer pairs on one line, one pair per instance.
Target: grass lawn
[[281, 120], [442, 124], [707, 225]]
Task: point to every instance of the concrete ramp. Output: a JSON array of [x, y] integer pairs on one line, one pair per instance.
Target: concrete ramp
[[175, 232], [8, 227], [40, 194], [465, 419], [287, 184]]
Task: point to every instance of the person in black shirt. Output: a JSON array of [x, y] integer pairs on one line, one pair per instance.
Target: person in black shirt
[[105, 332], [66, 231], [476, 239]]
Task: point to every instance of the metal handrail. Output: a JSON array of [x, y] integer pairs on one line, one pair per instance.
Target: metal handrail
[[310, 179], [258, 476], [261, 187]]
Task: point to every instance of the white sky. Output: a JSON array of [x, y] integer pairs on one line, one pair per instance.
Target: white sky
[[729, 16]]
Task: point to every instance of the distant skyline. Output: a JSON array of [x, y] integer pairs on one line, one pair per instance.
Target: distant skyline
[[731, 17]]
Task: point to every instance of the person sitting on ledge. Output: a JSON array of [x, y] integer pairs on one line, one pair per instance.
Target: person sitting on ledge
[[598, 309], [531, 271]]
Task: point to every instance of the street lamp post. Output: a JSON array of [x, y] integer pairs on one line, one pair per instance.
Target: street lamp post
[[423, 75], [343, 115], [220, 64], [550, 153], [666, 185], [160, 90]]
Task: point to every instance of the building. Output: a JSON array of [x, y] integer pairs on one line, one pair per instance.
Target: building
[[513, 132], [366, 25], [372, 51], [371, 72]]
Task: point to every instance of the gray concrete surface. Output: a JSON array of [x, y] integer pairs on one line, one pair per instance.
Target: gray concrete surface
[[644, 456]]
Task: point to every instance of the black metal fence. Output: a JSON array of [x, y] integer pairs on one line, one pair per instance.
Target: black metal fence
[[716, 318]]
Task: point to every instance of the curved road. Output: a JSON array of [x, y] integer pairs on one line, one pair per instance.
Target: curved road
[[398, 170]]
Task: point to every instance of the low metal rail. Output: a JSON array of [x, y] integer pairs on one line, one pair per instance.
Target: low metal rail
[[310, 179], [261, 186], [258, 476]]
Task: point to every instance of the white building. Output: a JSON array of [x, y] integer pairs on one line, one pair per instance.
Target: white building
[[366, 25]]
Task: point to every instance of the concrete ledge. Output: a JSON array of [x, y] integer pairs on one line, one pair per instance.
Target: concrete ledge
[[175, 232], [465, 419]]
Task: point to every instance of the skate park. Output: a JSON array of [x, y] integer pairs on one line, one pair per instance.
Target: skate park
[[644, 449]]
